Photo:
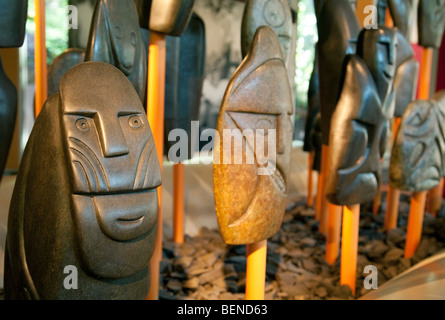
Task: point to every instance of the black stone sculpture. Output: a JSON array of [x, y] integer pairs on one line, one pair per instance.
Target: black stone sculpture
[[184, 80], [13, 14], [61, 64], [115, 38], [365, 106], [418, 155], [250, 195], [406, 77], [431, 23], [85, 196], [338, 29], [165, 16]]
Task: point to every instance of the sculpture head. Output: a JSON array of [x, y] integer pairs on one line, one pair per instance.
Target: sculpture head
[[115, 38], [377, 47], [431, 22], [250, 196], [13, 14], [418, 154], [92, 153]]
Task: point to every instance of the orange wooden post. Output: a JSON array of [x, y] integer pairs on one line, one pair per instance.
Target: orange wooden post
[[415, 222], [393, 195], [333, 233], [310, 196], [349, 246], [318, 196], [40, 67], [256, 270], [178, 203], [324, 210], [155, 115]]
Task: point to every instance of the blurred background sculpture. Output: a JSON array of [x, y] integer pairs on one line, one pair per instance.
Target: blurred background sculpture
[[184, 81], [402, 13], [13, 15], [365, 106], [115, 38], [250, 195], [100, 170], [431, 23], [418, 154]]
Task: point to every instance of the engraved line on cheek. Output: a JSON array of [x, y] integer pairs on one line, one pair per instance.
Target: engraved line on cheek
[[142, 166], [94, 161]]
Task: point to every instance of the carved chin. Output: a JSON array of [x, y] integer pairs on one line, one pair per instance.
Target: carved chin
[[116, 233]]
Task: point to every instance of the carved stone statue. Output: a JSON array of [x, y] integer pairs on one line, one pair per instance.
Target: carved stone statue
[[402, 13], [165, 16], [358, 124], [85, 196], [418, 155], [338, 29], [431, 22], [250, 175], [406, 77], [13, 15], [184, 80], [115, 38], [61, 64]]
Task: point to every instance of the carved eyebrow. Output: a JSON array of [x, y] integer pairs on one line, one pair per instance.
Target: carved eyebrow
[[128, 113], [87, 114]]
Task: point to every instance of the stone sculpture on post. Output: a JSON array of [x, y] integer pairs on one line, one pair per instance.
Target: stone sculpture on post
[[431, 23], [184, 82], [115, 38], [365, 106], [402, 13], [251, 188], [13, 15], [86, 194]]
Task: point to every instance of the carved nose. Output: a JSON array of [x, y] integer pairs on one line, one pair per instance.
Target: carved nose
[[112, 139]]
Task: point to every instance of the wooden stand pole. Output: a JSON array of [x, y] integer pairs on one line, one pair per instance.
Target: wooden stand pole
[[41, 73], [333, 233], [256, 270], [318, 197], [349, 246], [310, 196], [178, 203], [415, 222], [155, 115], [435, 199]]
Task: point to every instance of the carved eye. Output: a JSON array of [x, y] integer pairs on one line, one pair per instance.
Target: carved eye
[[264, 124], [118, 32], [82, 125], [133, 38], [135, 122]]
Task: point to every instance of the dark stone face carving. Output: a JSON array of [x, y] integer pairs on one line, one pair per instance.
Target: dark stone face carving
[[13, 14], [338, 30], [431, 20], [61, 64], [115, 38], [406, 77], [418, 154], [184, 79], [250, 197], [165, 16], [359, 122], [86, 194], [8, 111]]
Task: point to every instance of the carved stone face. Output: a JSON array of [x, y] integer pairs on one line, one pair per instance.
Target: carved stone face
[[115, 38], [115, 170], [418, 151], [359, 123], [275, 14], [431, 22], [377, 47], [250, 197]]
